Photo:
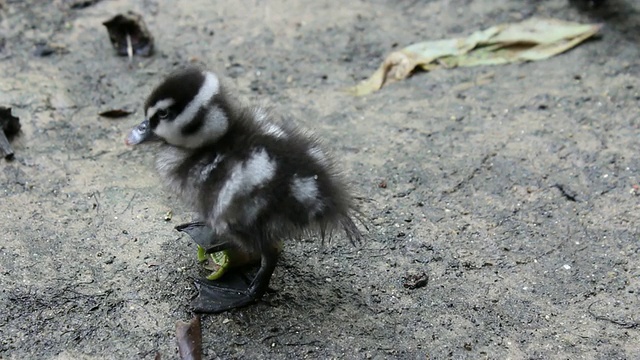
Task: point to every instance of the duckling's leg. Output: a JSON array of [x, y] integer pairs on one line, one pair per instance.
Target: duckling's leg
[[230, 291], [216, 296]]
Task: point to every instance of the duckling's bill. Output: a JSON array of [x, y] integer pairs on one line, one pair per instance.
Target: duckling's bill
[[139, 134]]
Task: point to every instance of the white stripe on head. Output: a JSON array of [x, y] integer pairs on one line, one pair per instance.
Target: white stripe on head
[[162, 104], [215, 124], [208, 89]]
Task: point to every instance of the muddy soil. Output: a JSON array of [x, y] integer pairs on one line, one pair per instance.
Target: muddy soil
[[517, 198]]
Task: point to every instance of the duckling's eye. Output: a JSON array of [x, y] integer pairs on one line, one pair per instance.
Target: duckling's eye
[[163, 114]]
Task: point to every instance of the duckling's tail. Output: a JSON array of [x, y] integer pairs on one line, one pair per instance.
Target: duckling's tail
[[351, 230]]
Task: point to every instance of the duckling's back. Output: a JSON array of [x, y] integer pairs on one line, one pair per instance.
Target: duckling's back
[[261, 180]]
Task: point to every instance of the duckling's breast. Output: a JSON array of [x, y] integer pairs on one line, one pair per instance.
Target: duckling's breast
[[188, 173]]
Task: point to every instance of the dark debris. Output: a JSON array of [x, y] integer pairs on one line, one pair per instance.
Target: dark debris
[[129, 35], [44, 49], [567, 193], [415, 281], [10, 128], [81, 4], [115, 113]]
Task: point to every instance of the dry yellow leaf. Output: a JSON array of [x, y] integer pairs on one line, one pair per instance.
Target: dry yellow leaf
[[530, 40]]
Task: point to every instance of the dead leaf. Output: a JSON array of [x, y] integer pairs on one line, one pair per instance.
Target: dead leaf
[[9, 128], [529, 40], [129, 35], [81, 4], [189, 336], [115, 113]]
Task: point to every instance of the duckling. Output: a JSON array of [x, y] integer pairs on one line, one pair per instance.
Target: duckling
[[252, 180]]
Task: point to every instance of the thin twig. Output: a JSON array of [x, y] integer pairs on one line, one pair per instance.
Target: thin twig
[[624, 324], [129, 204]]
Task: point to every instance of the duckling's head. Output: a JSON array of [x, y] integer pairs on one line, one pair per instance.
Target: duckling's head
[[186, 110]]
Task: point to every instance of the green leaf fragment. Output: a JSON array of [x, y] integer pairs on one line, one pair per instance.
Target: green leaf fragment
[[202, 254], [217, 262]]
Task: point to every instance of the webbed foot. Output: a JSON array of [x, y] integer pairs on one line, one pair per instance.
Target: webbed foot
[[222, 295], [204, 236], [233, 290]]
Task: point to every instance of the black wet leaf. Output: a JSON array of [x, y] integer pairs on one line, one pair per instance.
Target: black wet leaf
[[115, 113], [81, 4], [128, 31], [9, 128]]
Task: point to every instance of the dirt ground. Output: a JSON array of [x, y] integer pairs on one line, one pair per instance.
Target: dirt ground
[[518, 198]]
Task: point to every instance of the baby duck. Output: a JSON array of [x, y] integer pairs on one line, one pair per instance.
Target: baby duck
[[252, 181]]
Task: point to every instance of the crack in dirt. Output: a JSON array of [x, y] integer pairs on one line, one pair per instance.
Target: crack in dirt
[[476, 170]]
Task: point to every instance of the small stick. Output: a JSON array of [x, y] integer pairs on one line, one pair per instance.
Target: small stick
[[129, 48]]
